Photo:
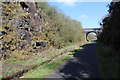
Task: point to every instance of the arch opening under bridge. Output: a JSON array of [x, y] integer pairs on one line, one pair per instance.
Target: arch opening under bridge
[[87, 31]]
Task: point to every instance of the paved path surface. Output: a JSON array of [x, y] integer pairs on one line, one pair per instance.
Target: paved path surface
[[83, 64]]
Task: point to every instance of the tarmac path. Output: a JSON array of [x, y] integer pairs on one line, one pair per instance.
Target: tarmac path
[[82, 65]]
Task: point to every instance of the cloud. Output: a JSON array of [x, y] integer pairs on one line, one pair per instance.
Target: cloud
[[83, 16], [68, 2]]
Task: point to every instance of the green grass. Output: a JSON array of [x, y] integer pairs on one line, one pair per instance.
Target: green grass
[[47, 56], [6, 72], [15, 62], [1, 76], [15, 70], [108, 64], [36, 60], [46, 69]]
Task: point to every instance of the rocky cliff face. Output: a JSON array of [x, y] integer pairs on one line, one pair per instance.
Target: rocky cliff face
[[22, 29], [29, 28], [111, 27]]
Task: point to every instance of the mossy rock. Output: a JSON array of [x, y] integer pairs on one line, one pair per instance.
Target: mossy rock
[[7, 38]]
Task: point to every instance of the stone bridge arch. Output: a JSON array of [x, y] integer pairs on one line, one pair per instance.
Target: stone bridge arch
[[90, 30]]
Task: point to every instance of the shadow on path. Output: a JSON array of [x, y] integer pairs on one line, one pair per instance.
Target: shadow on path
[[82, 65]]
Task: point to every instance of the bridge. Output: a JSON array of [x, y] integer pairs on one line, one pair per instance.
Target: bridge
[[89, 30]]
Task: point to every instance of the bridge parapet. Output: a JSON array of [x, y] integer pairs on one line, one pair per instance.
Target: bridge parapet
[[89, 30]]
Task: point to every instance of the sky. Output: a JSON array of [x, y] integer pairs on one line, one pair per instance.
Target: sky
[[89, 14]]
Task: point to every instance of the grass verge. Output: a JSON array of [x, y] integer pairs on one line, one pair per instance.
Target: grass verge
[[46, 69], [108, 64], [16, 65], [12, 69]]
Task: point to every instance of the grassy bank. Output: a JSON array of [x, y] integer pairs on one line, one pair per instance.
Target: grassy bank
[[108, 63], [16, 67], [46, 69]]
